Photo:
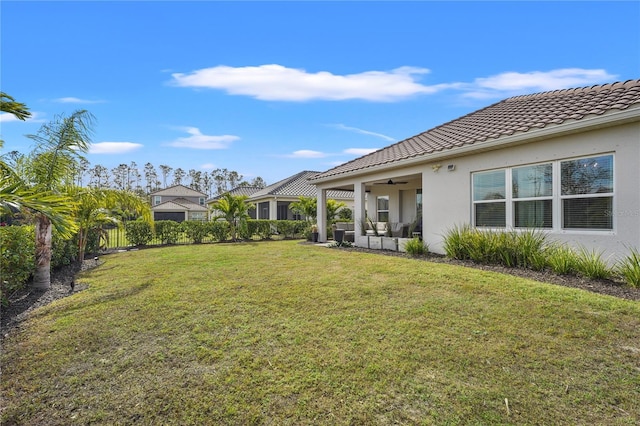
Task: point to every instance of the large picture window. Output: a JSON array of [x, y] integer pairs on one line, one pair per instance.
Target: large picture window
[[567, 194]]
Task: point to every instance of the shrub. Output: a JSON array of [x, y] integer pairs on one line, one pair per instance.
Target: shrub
[[219, 229], [529, 246], [63, 251], [288, 228], [629, 268], [17, 258], [195, 230], [167, 231], [591, 265], [517, 248], [455, 242], [416, 247], [261, 228], [138, 233], [561, 259]]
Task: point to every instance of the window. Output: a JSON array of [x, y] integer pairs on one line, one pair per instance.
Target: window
[[587, 193], [156, 200], [419, 202], [201, 201], [263, 210], [201, 216], [383, 208], [489, 205], [524, 197], [532, 192]]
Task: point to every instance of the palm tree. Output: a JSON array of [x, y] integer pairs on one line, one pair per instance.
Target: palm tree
[[306, 206], [18, 109], [233, 209], [60, 144], [94, 207], [15, 194]]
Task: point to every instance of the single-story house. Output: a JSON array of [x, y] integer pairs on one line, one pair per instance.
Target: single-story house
[[565, 161], [273, 201], [178, 203], [242, 190]]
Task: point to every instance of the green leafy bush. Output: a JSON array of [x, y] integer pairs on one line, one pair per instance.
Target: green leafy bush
[[195, 230], [219, 229], [629, 268], [167, 231], [416, 247], [261, 228], [138, 233], [17, 258], [63, 251]]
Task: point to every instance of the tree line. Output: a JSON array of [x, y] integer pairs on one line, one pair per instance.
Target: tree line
[[130, 177], [145, 180]]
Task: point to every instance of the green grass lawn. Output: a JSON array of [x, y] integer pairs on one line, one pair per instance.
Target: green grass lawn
[[281, 333]]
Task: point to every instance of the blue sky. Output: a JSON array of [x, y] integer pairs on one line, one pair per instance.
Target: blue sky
[[273, 88]]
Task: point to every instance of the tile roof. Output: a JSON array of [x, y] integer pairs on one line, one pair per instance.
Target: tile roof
[[238, 190], [516, 115], [179, 190], [296, 186], [179, 204]]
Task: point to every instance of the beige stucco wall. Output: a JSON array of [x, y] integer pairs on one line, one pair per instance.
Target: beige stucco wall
[[447, 194]]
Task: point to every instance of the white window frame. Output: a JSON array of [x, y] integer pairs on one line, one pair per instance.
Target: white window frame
[[379, 210], [504, 200], [556, 197], [157, 199], [515, 200]]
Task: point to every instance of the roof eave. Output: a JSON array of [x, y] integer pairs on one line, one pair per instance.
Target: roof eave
[[601, 121]]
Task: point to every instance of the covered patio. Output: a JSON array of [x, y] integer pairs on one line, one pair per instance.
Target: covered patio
[[387, 208]]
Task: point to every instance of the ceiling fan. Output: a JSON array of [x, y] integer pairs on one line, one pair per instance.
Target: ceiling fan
[[390, 182]]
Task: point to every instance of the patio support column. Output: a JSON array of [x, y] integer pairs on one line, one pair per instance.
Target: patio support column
[[359, 207], [322, 215], [273, 208]]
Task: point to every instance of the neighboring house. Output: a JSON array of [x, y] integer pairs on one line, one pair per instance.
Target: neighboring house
[[273, 201], [566, 162], [239, 191], [178, 203]]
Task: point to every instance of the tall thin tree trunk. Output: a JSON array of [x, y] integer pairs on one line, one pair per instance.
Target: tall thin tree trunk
[[42, 276]]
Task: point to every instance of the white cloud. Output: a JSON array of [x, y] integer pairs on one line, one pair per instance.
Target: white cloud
[[199, 141], [359, 151], [364, 132], [514, 83], [208, 166], [10, 118], [278, 83], [113, 147], [7, 118], [307, 153], [72, 100]]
